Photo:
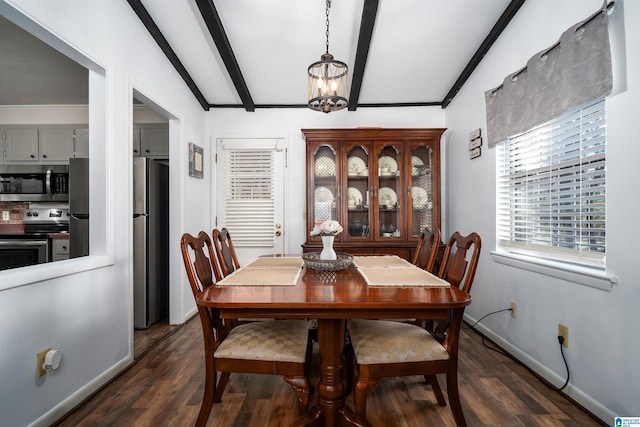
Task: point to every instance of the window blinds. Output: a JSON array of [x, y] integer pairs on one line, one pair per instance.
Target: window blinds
[[551, 189], [249, 195]]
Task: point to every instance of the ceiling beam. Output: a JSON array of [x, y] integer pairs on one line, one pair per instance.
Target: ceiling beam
[[214, 24], [162, 42], [493, 35], [369, 12]]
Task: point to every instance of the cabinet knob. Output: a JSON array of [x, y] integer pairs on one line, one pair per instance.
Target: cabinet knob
[[33, 156], [44, 156]]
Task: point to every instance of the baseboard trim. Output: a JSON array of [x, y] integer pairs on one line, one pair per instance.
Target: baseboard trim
[[79, 396], [576, 395]]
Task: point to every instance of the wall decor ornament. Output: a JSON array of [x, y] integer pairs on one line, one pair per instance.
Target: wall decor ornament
[[195, 160]]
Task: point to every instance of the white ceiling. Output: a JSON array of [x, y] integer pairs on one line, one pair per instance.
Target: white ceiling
[[418, 49]]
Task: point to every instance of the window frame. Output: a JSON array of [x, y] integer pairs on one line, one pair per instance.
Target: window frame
[[524, 238]]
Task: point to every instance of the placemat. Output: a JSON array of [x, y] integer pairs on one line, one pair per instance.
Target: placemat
[[400, 277], [262, 277], [276, 262], [384, 261]]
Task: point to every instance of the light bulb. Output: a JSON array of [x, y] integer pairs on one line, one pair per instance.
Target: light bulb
[[334, 85], [320, 83]]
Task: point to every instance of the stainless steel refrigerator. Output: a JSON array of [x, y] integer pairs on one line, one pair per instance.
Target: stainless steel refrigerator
[[78, 207], [150, 241]]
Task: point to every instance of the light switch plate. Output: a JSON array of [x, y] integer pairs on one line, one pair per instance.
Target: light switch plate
[[475, 134], [5, 215]]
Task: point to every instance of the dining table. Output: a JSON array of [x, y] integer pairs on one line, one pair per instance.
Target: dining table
[[333, 297]]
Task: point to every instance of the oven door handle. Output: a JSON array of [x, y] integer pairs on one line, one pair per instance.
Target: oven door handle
[[18, 242]]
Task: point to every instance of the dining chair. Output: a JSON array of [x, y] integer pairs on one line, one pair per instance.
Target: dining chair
[[278, 347], [225, 252], [381, 348], [427, 249]]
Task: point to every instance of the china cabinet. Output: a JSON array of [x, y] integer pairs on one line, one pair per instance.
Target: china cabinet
[[382, 185]]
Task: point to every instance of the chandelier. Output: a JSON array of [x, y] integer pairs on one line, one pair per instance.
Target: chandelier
[[327, 80]]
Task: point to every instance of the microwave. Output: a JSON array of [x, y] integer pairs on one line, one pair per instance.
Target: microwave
[[34, 183]]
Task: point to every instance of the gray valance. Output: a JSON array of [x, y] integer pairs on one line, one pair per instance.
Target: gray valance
[[571, 73]]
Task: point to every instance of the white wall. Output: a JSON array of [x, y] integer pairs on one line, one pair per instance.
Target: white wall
[[603, 326], [287, 123], [83, 307]]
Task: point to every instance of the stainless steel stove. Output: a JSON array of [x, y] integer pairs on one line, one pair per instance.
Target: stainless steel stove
[[32, 246]]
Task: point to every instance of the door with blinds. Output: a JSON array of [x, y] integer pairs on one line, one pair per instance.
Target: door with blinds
[[250, 195]]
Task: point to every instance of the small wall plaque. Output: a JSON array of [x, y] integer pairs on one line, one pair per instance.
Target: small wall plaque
[[475, 143], [474, 153], [195, 160]]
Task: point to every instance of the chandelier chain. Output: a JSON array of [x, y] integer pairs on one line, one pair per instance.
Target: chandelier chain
[[327, 22]]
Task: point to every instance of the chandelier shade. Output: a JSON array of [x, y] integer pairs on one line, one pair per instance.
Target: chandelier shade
[[327, 80], [328, 84]]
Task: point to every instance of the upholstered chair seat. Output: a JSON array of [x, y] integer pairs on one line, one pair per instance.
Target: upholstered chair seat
[[279, 341], [377, 342]]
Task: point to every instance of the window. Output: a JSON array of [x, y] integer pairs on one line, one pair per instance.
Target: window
[[551, 189]]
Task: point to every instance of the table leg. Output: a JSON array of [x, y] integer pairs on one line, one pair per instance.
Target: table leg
[[331, 409]]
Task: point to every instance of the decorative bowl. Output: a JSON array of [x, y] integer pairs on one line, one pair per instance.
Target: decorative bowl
[[313, 261]]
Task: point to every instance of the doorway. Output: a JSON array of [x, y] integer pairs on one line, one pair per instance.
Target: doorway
[[250, 195], [150, 216]]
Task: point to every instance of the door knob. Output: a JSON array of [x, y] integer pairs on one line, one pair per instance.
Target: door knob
[[278, 233]]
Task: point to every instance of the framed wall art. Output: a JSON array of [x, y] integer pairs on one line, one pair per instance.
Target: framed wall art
[[195, 160]]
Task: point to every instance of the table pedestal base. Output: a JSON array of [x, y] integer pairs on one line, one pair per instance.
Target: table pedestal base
[[330, 409]]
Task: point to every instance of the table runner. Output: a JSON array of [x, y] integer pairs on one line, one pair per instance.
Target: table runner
[[400, 277], [276, 262], [249, 276], [384, 261]]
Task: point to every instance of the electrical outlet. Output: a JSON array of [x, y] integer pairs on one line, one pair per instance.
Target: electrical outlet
[[40, 361], [514, 309], [563, 331]]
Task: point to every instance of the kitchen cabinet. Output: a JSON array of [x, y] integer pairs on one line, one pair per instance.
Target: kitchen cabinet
[[20, 145], [56, 145], [81, 142], [59, 248], [43, 144], [382, 185], [151, 140]]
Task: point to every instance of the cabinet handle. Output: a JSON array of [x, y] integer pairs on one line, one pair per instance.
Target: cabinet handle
[[33, 156], [43, 156], [64, 247]]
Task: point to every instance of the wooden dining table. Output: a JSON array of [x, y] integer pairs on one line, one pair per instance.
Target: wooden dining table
[[332, 298]]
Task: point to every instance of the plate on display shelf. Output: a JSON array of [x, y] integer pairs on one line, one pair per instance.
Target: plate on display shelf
[[323, 194], [354, 198], [325, 166], [387, 197], [388, 163], [355, 166], [415, 162], [420, 197]]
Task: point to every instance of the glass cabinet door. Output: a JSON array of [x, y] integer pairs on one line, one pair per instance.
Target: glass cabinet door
[[421, 215], [389, 192], [325, 188], [358, 195]]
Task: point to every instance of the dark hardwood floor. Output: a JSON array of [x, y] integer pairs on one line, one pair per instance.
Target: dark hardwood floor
[[164, 388]]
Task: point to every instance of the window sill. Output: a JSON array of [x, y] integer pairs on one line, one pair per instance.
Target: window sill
[[23, 276], [574, 273]]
